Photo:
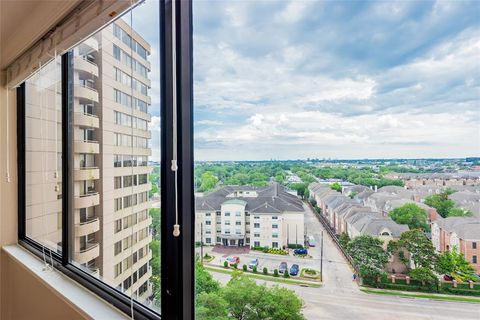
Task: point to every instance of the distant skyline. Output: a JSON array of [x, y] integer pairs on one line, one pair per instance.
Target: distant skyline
[[346, 80]]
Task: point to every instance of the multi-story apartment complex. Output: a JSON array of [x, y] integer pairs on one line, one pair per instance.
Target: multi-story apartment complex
[[250, 216], [110, 160], [460, 232]]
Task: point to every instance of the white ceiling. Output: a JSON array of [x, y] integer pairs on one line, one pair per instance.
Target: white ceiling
[[23, 22]]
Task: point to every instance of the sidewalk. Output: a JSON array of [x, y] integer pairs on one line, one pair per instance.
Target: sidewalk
[[423, 295]]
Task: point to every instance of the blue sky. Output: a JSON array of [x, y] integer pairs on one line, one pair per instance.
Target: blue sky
[[338, 79]]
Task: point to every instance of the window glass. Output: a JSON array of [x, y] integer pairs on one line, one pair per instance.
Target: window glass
[[43, 156], [117, 189]]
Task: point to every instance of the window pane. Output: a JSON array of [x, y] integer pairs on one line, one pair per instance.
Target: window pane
[[43, 156], [117, 242]]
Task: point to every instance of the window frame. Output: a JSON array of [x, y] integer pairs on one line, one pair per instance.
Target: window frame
[[177, 268]]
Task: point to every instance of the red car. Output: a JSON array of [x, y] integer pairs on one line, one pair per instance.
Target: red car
[[233, 260], [447, 277]]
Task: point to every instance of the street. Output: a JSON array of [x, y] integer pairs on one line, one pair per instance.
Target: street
[[340, 297]]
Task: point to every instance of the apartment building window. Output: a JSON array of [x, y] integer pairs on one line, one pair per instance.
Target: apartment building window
[[117, 182], [256, 235], [474, 245], [227, 223], [219, 239], [238, 223], [227, 214], [274, 244], [474, 259], [256, 225], [127, 283], [256, 217], [274, 226], [227, 231], [118, 269], [274, 235], [208, 240], [142, 179], [117, 204], [127, 181], [208, 231], [238, 214], [274, 217], [256, 243], [117, 161], [143, 288], [238, 231], [208, 222], [118, 225], [118, 247], [218, 213], [208, 214]]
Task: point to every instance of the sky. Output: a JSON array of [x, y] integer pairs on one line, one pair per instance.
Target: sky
[[332, 79]]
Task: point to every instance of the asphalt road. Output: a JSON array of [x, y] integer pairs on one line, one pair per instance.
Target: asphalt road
[[340, 297]]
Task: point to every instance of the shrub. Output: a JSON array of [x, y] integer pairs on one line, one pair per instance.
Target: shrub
[[265, 270], [275, 273], [244, 268], [285, 274], [225, 264], [295, 246], [235, 266], [254, 269]]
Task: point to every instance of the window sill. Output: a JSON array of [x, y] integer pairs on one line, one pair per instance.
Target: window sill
[[71, 292]]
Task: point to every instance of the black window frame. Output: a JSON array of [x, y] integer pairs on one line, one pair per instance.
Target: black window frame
[[177, 253]]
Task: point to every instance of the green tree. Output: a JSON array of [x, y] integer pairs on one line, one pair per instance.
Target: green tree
[[204, 281], [209, 181], [441, 203], [459, 212], [453, 263], [336, 186], [368, 256], [155, 214], [411, 215], [211, 306], [247, 300], [425, 275], [420, 248], [344, 239]]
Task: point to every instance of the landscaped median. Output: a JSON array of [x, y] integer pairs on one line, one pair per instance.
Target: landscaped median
[[421, 295], [271, 278]]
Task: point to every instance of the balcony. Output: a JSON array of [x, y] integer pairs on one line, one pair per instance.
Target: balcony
[[90, 226], [87, 200], [86, 146], [85, 67], [84, 119], [91, 251], [85, 93], [88, 46], [81, 174]]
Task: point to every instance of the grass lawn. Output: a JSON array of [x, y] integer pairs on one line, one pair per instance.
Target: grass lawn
[[259, 276], [422, 295]]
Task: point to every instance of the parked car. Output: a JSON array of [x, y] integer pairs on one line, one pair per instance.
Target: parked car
[[447, 277], [294, 270], [253, 263], [283, 267], [233, 260], [300, 251], [311, 241]]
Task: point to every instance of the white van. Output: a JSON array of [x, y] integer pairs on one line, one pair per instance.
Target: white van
[[311, 241]]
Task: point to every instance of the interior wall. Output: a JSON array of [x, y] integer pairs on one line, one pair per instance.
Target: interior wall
[[24, 296]]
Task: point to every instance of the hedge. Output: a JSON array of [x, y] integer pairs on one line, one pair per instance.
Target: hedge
[[415, 285]]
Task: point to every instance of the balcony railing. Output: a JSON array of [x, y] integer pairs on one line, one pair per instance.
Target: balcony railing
[[86, 146], [86, 200], [89, 226], [89, 252]]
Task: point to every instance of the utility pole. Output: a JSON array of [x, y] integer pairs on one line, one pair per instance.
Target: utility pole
[[305, 236], [201, 243], [321, 259]]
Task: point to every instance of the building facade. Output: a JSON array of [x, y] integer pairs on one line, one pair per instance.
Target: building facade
[[250, 216], [110, 161]]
